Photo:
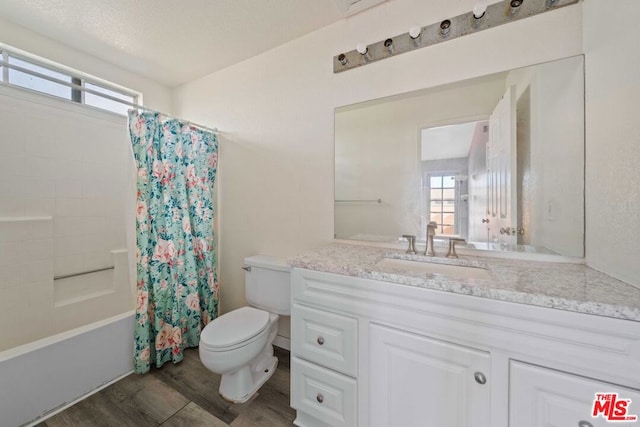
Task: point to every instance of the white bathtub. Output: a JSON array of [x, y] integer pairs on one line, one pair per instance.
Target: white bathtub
[[45, 376], [75, 337]]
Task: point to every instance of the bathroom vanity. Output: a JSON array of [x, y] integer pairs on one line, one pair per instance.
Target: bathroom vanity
[[382, 338]]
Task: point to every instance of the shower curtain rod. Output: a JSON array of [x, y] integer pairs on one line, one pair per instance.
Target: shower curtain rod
[[142, 107]]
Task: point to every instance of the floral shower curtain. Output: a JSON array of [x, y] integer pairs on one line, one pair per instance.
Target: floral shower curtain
[[177, 287]]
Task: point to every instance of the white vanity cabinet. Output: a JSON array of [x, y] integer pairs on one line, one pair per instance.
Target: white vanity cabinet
[[545, 397], [373, 353], [413, 378]]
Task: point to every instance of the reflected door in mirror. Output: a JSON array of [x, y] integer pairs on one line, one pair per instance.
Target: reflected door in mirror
[[501, 169]]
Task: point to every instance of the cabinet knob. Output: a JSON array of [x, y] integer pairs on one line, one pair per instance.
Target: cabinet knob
[[485, 220], [584, 423], [320, 398], [320, 340], [480, 378]]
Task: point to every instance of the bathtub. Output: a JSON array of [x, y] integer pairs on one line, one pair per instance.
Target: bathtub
[[73, 339], [44, 377]]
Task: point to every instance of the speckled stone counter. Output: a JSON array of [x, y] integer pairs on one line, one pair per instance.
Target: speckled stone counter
[[564, 286]]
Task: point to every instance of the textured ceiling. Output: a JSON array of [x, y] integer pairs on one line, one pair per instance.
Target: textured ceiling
[[171, 41]]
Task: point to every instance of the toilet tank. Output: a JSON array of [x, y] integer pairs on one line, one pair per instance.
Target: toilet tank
[[268, 284]]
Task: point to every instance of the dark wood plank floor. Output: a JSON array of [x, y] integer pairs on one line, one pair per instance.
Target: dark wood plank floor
[[184, 394]]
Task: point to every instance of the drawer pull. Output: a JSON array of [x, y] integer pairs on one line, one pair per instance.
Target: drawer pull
[[320, 340], [320, 398], [584, 423], [481, 379]]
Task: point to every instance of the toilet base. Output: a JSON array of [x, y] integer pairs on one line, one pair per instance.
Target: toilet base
[[240, 386]]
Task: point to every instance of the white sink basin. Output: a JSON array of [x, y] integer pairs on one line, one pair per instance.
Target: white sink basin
[[456, 271]]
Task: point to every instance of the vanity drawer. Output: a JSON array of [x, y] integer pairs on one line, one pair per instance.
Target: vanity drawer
[[325, 338], [323, 394]]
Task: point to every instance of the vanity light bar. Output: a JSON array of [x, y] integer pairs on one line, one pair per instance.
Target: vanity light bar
[[458, 26]]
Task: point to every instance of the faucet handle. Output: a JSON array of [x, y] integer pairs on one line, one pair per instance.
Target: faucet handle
[[452, 246], [412, 243]]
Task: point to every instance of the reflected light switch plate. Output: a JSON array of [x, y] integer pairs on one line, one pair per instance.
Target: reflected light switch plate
[[548, 211]]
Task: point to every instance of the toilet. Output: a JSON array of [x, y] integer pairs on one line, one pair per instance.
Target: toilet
[[238, 344]]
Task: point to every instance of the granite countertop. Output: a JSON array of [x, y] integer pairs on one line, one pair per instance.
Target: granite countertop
[[559, 285]]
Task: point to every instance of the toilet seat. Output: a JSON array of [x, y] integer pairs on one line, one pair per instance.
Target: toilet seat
[[234, 329]]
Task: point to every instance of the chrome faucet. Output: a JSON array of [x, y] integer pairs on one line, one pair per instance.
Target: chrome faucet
[[412, 243], [431, 231], [452, 246]]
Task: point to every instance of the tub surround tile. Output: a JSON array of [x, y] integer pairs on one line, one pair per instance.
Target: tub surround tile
[[565, 286], [39, 206], [67, 206], [39, 271], [71, 188], [12, 299], [12, 206], [13, 136], [70, 264], [39, 229], [11, 253]]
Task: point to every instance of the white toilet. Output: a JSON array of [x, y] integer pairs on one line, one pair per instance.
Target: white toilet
[[238, 344]]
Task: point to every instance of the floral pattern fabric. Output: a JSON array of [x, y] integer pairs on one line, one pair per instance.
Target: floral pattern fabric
[[177, 286]]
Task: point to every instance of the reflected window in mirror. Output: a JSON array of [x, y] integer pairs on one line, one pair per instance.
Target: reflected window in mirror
[[442, 202]]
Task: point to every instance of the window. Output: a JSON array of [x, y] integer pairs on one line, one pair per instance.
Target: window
[[29, 81], [99, 101], [29, 73], [442, 202]]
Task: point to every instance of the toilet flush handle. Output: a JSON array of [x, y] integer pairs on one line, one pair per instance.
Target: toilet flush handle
[[247, 268]]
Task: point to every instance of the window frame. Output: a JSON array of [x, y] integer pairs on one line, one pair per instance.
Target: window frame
[[78, 81], [442, 200]]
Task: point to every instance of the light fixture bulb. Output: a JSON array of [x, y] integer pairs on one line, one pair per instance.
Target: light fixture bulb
[[515, 6], [388, 43], [361, 48], [479, 9], [445, 28], [414, 31]]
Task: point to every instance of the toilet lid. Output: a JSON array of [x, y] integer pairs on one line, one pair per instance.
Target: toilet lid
[[234, 327]]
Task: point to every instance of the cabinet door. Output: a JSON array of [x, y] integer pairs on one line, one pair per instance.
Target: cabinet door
[[423, 382], [541, 397]]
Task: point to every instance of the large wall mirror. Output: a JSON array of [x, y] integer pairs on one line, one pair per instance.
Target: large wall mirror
[[497, 160]]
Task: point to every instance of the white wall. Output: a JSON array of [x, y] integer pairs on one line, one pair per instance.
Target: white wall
[[276, 114], [377, 151], [613, 138], [155, 95]]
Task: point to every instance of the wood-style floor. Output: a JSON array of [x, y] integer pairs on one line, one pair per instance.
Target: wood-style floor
[[184, 394]]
